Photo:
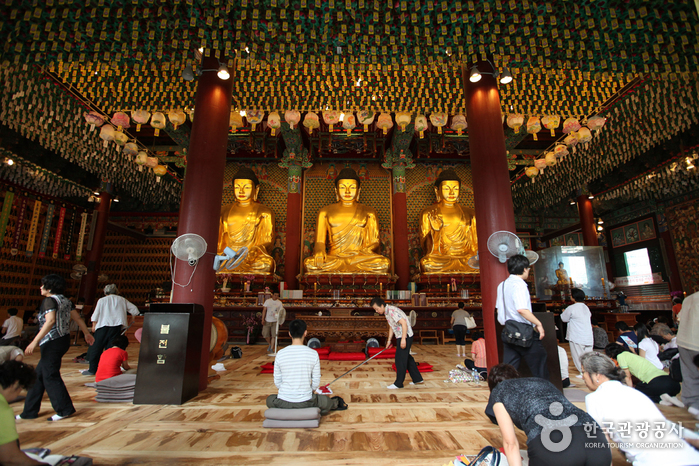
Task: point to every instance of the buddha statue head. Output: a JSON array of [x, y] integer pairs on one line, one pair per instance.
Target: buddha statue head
[[246, 186], [447, 187], [347, 185]]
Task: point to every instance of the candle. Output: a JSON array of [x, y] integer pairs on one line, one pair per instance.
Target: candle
[[381, 287], [315, 286], [571, 282], [448, 289]]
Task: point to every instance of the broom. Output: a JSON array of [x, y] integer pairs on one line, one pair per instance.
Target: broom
[[324, 390]]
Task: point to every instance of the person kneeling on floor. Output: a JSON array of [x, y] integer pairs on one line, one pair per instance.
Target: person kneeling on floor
[[113, 359], [297, 376]]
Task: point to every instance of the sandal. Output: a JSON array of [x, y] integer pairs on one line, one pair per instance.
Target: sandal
[[341, 405]]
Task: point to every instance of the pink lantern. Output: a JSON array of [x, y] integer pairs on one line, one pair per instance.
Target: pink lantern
[[551, 122], [121, 120], [570, 125], [458, 123], [533, 126], [596, 122], [292, 117], [141, 117], [515, 121], [94, 119], [385, 122], [152, 162]]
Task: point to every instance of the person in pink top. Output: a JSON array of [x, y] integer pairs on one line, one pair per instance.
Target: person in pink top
[[478, 354]]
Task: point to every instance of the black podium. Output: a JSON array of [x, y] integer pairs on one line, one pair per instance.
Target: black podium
[[170, 356]]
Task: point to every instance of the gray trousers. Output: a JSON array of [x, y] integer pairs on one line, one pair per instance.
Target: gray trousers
[[325, 403], [690, 378]]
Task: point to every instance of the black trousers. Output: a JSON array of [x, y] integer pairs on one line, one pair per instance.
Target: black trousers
[[404, 361], [103, 336], [534, 356], [9, 341], [48, 379], [658, 386], [581, 451], [460, 334]]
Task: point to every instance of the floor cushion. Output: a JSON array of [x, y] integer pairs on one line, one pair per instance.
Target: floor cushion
[[323, 350], [301, 414], [347, 356], [274, 423], [422, 367], [388, 354]]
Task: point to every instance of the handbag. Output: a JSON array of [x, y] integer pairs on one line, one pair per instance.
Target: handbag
[[470, 322], [516, 333], [488, 456], [236, 352]]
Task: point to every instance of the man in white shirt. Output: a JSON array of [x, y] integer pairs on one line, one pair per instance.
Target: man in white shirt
[[297, 376], [11, 328], [688, 343], [270, 311], [579, 333], [514, 303], [108, 321]]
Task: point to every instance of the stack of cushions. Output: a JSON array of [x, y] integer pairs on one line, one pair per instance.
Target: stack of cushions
[[422, 367], [117, 389], [359, 356], [287, 418], [267, 368], [323, 352], [388, 354]]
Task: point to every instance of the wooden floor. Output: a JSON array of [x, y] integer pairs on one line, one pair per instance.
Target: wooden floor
[[419, 425]]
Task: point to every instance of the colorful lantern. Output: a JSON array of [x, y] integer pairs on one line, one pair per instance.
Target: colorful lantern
[[274, 122], [107, 134], [515, 121], [540, 164], [551, 122], [292, 117], [532, 172], [349, 122], [403, 120], [571, 140], [561, 151], [158, 122], [584, 135], [331, 118], [159, 170], [94, 119], [365, 117], [235, 121], [596, 122], [458, 123], [311, 121], [130, 149], [141, 160], [120, 120], [438, 120], [385, 122], [533, 126], [421, 125], [141, 117], [570, 125], [152, 162], [254, 117], [177, 118], [550, 158], [120, 138]]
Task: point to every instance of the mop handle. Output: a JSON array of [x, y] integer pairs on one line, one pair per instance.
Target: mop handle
[[357, 366]]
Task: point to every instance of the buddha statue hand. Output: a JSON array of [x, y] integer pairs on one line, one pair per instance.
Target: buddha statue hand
[[230, 259], [320, 258], [436, 221]]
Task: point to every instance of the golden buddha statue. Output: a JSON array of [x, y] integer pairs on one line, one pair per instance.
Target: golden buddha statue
[[246, 224], [562, 275], [352, 230], [448, 230]]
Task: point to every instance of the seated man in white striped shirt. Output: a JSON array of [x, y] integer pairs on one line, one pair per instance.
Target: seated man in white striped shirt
[[297, 376]]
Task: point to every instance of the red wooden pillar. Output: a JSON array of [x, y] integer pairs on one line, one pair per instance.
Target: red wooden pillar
[[200, 208], [587, 221], [401, 261], [491, 189], [293, 227], [88, 287]]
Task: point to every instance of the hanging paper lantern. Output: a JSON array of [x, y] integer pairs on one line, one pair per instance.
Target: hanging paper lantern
[[235, 121], [458, 123], [550, 158], [365, 117], [385, 122], [141, 160], [571, 140], [532, 172], [540, 164], [570, 125], [158, 122], [254, 117], [120, 120], [349, 122], [439, 120], [94, 119], [274, 122], [515, 121], [551, 122], [311, 122], [177, 118], [584, 135], [152, 162], [120, 138], [403, 120], [292, 117], [141, 117], [190, 112], [596, 122], [107, 134], [561, 151], [421, 125], [130, 149], [533, 126], [331, 118], [159, 170]]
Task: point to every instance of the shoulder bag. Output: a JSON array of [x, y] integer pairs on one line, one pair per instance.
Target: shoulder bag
[[514, 332]]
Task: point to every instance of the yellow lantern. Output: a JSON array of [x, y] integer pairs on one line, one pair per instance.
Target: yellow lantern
[[159, 170], [292, 117], [311, 121], [120, 138], [532, 172], [571, 140], [551, 122], [158, 122], [177, 117], [274, 122], [533, 126], [421, 125], [515, 121], [141, 160], [235, 121], [141, 117], [365, 117], [385, 122], [403, 120], [550, 158], [349, 122], [439, 120], [107, 134], [458, 123], [584, 135]]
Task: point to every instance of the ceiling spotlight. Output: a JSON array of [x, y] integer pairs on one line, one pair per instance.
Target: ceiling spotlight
[[10, 162], [188, 73], [600, 221], [116, 199], [96, 193], [475, 75], [591, 196], [572, 202], [505, 77], [223, 72], [600, 228], [690, 165]]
